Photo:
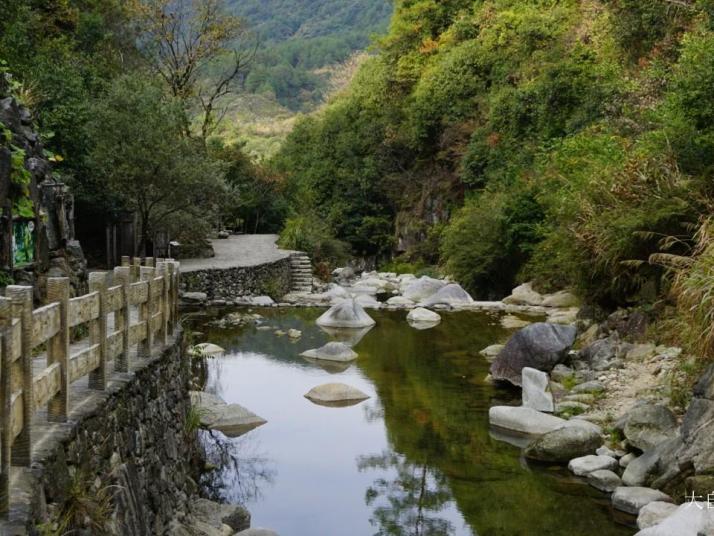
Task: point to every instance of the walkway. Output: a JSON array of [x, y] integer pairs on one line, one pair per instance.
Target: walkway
[[238, 251]]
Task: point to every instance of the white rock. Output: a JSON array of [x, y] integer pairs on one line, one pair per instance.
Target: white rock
[[206, 349], [654, 513], [587, 464], [627, 458], [346, 314], [256, 531], [513, 322], [332, 351], [422, 288], [368, 301], [563, 316], [490, 352], [563, 299], [451, 294], [535, 393], [632, 499], [231, 419], [294, 333], [689, 519], [524, 295], [421, 315], [604, 480], [335, 394], [524, 420], [400, 301]]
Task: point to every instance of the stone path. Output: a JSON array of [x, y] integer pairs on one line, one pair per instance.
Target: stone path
[[238, 251]]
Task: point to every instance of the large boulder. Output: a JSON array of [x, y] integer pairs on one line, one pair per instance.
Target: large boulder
[[233, 420], [646, 425], [562, 299], [564, 444], [522, 420], [604, 354], [490, 352], [660, 460], [604, 480], [654, 513], [632, 499], [332, 351], [346, 314], [535, 393], [540, 346], [206, 349], [524, 295], [689, 519], [218, 514], [422, 288], [335, 394], [451, 294]]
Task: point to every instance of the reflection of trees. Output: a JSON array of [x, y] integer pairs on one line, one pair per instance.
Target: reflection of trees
[[412, 497], [240, 471]]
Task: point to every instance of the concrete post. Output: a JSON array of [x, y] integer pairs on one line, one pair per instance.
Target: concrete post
[[5, 401], [146, 311], [98, 330], [122, 276]]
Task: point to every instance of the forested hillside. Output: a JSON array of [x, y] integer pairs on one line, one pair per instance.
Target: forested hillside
[[570, 142]]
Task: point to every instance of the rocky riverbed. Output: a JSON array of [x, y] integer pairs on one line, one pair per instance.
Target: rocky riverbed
[[595, 396]]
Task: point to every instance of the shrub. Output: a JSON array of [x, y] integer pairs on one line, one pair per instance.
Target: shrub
[[308, 233]]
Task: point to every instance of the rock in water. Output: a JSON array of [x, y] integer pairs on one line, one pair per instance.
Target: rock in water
[[689, 519], [346, 314], [540, 346], [604, 480], [400, 301], [524, 420], [206, 349], [535, 390], [336, 394], [332, 351], [564, 444], [422, 288], [421, 318], [451, 294], [490, 352], [231, 419]]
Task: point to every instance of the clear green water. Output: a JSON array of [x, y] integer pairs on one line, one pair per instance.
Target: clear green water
[[416, 458]]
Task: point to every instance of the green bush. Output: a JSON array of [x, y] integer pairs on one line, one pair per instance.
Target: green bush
[[312, 235]]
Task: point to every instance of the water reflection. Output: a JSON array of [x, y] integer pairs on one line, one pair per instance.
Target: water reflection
[[409, 503], [241, 471]]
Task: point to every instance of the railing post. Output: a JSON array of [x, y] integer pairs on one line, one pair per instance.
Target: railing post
[[122, 318], [176, 283], [149, 261], [21, 297], [58, 348], [147, 310], [98, 330], [162, 270], [125, 260], [135, 269], [170, 308], [5, 400]]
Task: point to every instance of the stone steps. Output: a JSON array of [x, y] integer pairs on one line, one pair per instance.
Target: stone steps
[[300, 273]]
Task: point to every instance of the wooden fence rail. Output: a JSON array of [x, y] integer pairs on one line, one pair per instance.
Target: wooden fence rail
[[133, 306]]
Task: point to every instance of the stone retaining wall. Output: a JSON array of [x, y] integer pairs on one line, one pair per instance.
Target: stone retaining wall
[[126, 456], [272, 279]]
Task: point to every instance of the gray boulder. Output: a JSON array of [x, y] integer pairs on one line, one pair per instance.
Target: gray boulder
[[332, 351], [346, 314], [603, 354], [335, 394], [217, 514], [588, 387], [422, 288], [654, 513], [647, 425], [490, 352], [451, 294], [524, 295], [632, 499], [562, 298], [561, 372], [687, 520], [522, 420], [604, 480], [564, 444], [194, 297], [233, 420], [421, 318], [535, 390], [540, 346], [587, 464]]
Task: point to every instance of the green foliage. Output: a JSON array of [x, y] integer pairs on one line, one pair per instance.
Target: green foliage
[[310, 234]]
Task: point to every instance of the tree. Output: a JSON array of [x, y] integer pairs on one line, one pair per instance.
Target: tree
[[142, 157], [199, 50]]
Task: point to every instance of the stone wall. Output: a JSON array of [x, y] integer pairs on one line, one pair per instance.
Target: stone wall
[[272, 279], [127, 455]]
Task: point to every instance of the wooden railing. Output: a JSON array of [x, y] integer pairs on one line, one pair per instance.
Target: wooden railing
[[133, 307]]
